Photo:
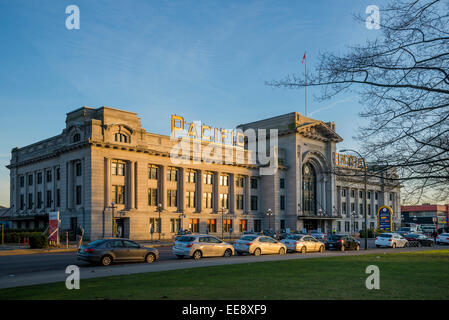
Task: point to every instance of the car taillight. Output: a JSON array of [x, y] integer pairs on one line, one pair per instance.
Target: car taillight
[[189, 245], [377, 238], [296, 242], [389, 239], [248, 244], [89, 250], [341, 241]]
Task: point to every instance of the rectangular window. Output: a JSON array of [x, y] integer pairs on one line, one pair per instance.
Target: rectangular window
[[257, 225], [190, 176], [155, 225], [175, 225], [282, 183], [39, 200], [356, 226], [22, 202], [153, 172], [338, 226], [118, 194], [224, 180], [49, 200], [352, 193], [239, 181], [58, 197], [48, 176], [78, 169], [376, 195], [194, 225], [343, 192], [243, 225], [369, 209], [352, 207], [39, 178], [253, 202], [22, 181], [207, 178], [360, 194], [361, 209], [253, 183], [172, 198], [117, 168], [152, 197], [282, 224], [369, 194], [207, 196], [172, 174], [239, 201], [212, 225], [391, 196], [190, 199], [30, 201], [227, 224], [377, 208], [346, 226], [343, 208], [282, 203], [78, 195], [58, 174], [224, 203], [30, 180]]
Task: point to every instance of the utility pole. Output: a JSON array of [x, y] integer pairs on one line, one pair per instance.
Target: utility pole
[[159, 222]]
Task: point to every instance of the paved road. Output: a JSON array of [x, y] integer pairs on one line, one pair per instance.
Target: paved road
[[46, 268]]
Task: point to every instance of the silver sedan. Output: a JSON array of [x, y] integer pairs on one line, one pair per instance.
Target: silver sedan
[[257, 245], [303, 243], [198, 246]]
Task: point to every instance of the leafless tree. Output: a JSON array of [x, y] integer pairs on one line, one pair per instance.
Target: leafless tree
[[402, 78]]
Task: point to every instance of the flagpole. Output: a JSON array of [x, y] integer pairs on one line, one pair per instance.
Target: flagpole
[[305, 87]]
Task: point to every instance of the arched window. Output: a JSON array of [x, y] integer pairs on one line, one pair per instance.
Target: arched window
[[308, 189], [120, 137], [76, 137]]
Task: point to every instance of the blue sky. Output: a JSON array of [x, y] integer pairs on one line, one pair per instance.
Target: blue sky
[[204, 60]]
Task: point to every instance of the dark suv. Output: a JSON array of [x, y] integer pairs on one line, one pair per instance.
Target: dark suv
[[342, 242], [107, 251]]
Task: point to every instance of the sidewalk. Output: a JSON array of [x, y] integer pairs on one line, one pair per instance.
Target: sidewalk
[[14, 249]]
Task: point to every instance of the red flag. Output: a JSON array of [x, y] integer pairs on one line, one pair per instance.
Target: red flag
[[303, 58]]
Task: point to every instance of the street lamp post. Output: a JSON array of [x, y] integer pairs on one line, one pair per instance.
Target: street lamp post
[[181, 216], [159, 224], [269, 213], [113, 206], [222, 222], [365, 197]]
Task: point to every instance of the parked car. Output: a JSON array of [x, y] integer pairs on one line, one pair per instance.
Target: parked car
[[201, 245], [418, 240], [443, 238], [342, 242], [257, 245], [302, 243], [318, 235], [392, 240], [108, 251], [268, 233]]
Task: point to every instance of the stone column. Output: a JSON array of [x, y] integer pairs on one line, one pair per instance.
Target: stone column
[[69, 184], [215, 192], [232, 193], [44, 190], [162, 187], [247, 194], [35, 190], [199, 191], [54, 189], [107, 182], [181, 190], [131, 185]]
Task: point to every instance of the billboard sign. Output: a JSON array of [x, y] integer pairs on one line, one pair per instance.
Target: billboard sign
[[385, 222]]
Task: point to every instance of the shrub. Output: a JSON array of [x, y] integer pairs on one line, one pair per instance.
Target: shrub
[[38, 241]]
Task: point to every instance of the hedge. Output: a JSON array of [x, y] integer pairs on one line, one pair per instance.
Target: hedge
[[38, 241]]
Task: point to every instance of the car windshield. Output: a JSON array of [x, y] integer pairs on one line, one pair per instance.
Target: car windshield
[[412, 235], [445, 234], [405, 229], [336, 237], [385, 235], [96, 243], [185, 239], [294, 236], [248, 238]]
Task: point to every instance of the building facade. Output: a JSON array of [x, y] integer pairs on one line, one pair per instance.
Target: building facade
[[108, 174], [429, 216]]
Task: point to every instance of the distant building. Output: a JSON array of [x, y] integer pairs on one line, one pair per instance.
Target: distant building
[[5, 216], [104, 166], [429, 216]]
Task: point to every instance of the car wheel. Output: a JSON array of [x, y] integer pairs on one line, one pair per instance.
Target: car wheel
[[431, 244], [418, 244], [257, 252], [150, 258], [227, 253], [239, 253], [281, 251], [393, 245], [342, 248], [321, 249], [197, 255], [106, 260], [179, 256], [357, 248], [303, 250], [377, 246]]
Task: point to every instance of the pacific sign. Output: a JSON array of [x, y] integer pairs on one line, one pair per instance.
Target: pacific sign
[[347, 161], [197, 130], [385, 214]]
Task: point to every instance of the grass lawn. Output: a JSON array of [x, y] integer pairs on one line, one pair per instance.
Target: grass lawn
[[419, 275]]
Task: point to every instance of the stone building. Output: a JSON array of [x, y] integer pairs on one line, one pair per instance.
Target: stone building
[[105, 167]]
